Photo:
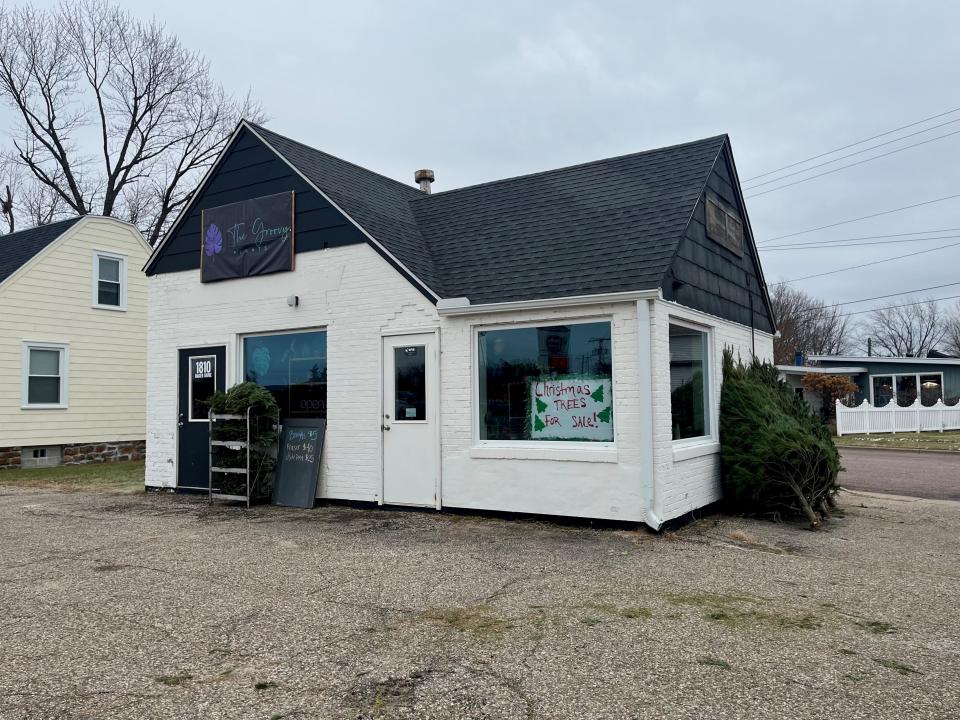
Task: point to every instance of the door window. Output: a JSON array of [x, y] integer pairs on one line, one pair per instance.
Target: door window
[[410, 383], [203, 383]]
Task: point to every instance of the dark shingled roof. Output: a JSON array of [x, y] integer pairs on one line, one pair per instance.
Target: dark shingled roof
[[380, 205], [17, 248], [606, 226]]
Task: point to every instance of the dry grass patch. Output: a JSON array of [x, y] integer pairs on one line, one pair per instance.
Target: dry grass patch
[[475, 619], [729, 610]]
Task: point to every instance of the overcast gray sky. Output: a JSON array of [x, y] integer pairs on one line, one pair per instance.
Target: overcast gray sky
[[480, 91]]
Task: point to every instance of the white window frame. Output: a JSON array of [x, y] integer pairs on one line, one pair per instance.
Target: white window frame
[[711, 414], [95, 280], [896, 389], [542, 449], [64, 350]]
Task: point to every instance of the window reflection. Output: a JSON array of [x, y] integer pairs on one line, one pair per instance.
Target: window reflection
[[293, 367]]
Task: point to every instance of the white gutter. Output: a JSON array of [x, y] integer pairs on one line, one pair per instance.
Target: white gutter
[[461, 306], [855, 359]]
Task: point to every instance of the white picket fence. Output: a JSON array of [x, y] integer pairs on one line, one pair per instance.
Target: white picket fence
[[894, 418]]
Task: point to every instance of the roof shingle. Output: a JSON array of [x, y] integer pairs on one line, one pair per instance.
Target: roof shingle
[[606, 226], [16, 249]]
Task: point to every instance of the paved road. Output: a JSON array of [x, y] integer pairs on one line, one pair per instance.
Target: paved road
[[917, 474]]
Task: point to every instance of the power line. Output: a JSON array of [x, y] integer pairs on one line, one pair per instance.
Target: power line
[[878, 297], [858, 219], [863, 265], [875, 237], [830, 245], [853, 154], [893, 307], [859, 142], [850, 165]]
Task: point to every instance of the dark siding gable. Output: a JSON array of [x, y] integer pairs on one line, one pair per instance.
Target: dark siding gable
[[709, 277], [248, 169]]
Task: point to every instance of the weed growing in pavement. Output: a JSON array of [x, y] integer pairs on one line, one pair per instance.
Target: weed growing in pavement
[[898, 666], [847, 651], [174, 680], [476, 619], [724, 609], [631, 612], [876, 627], [260, 686], [714, 662], [591, 621]]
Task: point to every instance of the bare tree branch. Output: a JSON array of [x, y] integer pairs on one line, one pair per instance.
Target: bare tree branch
[[159, 119], [806, 326], [909, 331]]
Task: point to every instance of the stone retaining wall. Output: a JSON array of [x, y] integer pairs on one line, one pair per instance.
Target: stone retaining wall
[[86, 453], [9, 458]]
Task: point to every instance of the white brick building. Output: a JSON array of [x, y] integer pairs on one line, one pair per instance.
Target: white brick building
[[548, 344]]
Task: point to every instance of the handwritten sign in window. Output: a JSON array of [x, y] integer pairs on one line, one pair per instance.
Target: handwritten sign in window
[[571, 408]]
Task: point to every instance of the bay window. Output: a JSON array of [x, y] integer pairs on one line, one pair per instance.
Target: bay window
[[546, 383]]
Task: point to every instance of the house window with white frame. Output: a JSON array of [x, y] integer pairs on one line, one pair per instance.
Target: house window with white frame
[[546, 383], [906, 387], [689, 382], [44, 375], [109, 281]]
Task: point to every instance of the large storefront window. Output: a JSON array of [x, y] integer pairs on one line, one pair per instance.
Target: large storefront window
[[689, 386], [292, 366], [546, 383]]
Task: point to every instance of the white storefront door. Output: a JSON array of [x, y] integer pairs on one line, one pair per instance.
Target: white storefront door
[[411, 439]]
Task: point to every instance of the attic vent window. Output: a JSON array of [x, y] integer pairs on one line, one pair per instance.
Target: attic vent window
[[724, 227]]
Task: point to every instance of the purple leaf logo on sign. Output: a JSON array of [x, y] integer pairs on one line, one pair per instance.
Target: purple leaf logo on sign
[[213, 241]]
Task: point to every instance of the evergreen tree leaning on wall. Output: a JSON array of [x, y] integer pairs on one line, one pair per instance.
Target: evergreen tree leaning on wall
[[777, 456]]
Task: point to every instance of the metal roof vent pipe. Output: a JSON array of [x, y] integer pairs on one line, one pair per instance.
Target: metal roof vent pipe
[[423, 178]]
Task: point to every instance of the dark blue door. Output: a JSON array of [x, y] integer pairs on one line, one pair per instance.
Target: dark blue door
[[202, 371]]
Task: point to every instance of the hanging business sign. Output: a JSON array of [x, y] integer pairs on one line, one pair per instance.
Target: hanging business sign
[[251, 237], [571, 408]]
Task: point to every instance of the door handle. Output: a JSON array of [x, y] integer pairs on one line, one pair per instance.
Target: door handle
[[384, 427], [180, 420]]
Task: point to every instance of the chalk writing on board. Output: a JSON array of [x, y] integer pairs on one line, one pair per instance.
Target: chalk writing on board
[[571, 408], [301, 446]]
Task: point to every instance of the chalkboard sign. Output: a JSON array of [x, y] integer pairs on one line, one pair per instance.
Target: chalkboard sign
[[251, 237], [298, 466]]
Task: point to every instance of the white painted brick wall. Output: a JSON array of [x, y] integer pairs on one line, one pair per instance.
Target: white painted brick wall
[[356, 296], [349, 291], [687, 484]]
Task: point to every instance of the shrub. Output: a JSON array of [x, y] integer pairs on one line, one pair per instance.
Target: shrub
[[777, 456], [831, 388]]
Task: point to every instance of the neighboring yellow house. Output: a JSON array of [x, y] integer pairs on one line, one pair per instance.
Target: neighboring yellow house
[[73, 332]]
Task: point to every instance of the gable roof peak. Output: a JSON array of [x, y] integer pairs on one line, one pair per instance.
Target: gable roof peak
[[260, 129]]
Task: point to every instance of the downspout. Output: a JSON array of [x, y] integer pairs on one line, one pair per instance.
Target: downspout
[[648, 482], [753, 331]]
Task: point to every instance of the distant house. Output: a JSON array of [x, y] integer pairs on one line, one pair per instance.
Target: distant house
[[881, 379], [73, 322], [550, 343]]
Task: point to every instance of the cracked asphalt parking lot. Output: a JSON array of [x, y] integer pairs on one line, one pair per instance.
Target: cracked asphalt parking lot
[[159, 606]]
